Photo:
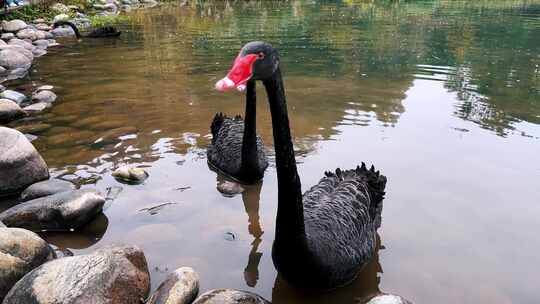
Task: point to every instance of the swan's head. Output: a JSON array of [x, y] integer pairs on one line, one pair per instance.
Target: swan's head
[[257, 60]]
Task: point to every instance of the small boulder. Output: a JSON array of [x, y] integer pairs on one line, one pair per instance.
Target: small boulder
[[41, 44], [9, 111], [107, 276], [13, 95], [229, 189], [229, 296], [13, 25], [45, 188], [43, 27], [20, 163], [39, 52], [44, 96], [61, 17], [388, 299], [60, 8], [20, 252], [130, 174], [31, 34], [7, 36], [61, 211], [180, 287], [37, 107], [63, 31], [12, 59], [20, 42]]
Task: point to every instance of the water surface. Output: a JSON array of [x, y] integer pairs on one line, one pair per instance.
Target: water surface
[[442, 96]]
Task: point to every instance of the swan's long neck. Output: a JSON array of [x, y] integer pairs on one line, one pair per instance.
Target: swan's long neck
[[290, 214], [249, 141]]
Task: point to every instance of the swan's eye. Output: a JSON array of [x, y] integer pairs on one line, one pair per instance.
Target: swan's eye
[[260, 56]]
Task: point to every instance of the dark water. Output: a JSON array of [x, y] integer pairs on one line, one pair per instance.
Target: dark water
[[442, 96]]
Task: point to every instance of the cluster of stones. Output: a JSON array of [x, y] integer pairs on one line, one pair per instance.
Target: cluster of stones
[[114, 7]]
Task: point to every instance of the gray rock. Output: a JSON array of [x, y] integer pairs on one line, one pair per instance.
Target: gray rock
[[61, 211], [3, 70], [20, 42], [7, 36], [30, 137], [12, 59], [45, 188], [63, 32], [16, 73], [42, 44], [229, 188], [110, 7], [107, 276], [2, 225], [45, 87], [13, 95], [20, 252], [130, 174], [43, 27], [39, 52], [44, 96], [40, 20], [2, 88], [53, 42], [180, 287], [20, 163], [60, 8], [13, 25], [229, 296], [60, 17], [37, 107], [388, 299], [9, 111], [31, 34]]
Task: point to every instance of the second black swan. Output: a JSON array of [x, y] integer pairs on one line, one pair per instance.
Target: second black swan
[[326, 236], [100, 32], [236, 151]]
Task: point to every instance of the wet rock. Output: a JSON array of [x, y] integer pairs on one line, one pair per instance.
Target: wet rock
[[61, 211], [7, 36], [2, 88], [180, 287], [110, 7], [130, 174], [44, 96], [37, 107], [45, 87], [41, 44], [43, 27], [13, 95], [23, 43], [12, 59], [60, 8], [39, 52], [9, 111], [229, 188], [107, 276], [53, 43], [13, 25], [45, 188], [61, 17], [30, 137], [230, 296], [388, 299], [20, 163], [20, 252], [2, 70], [31, 34], [2, 225], [40, 20], [63, 32]]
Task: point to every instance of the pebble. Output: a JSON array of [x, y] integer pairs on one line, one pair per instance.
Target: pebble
[[130, 174], [13, 95]]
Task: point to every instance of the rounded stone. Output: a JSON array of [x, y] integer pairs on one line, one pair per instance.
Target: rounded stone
[[13, 25], [61, 211], [10, 58], [229, 296], [130, 174], [9, 111], [44, 96], [20, 252], [13, 96], [114, 275], [45, 188], [180, 287], [388, 299], [20, 163], [37, 107]]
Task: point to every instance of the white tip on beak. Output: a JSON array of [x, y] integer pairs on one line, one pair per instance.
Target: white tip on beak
[[224, 84]]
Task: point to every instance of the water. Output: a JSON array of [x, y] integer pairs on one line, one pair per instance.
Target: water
[[442, 96]]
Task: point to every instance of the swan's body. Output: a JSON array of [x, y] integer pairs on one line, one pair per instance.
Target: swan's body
[[326, 236], [100, 32], [236, 151]]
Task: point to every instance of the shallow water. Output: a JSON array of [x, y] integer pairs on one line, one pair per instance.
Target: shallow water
[[442, 96]]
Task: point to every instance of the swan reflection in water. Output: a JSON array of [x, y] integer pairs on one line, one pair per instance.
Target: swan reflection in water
[[361, 290], [251, 197]]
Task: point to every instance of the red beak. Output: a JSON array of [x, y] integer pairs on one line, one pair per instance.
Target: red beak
[[239, 74]]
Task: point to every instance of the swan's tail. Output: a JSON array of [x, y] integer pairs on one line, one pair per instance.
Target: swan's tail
[[375, 182], [73, 26]]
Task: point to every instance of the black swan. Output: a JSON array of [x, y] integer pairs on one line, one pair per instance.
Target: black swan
[[236, 151], [100, 32], [326, 236]]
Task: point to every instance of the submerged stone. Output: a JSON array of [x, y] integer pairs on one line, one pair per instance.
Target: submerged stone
[[388, 299], [61, 211], [230, 296], [180, 287], [130, 174], [9, 111], [13, 95]]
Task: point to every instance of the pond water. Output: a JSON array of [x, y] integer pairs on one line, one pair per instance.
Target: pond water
[[442, 96]]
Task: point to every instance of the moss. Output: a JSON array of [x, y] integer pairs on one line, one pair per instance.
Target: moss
[[98, 21]]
